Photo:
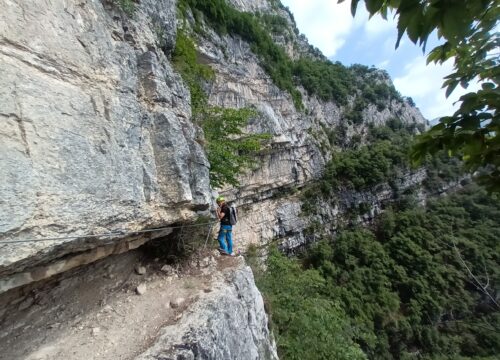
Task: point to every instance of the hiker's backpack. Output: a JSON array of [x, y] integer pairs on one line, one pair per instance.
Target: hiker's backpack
[[233, 215]]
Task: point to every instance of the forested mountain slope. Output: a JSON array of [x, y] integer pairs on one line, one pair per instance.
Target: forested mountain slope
[[421, 283], [419, 280]]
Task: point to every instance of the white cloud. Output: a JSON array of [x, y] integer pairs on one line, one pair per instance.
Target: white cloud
[[423, 83], [328, 24], [383, 64], [325, 23], [389, 45]]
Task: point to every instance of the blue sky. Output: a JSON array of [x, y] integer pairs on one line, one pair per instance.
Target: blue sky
[[331, 28]]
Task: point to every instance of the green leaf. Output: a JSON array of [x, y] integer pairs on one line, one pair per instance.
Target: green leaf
[[373, 6], [413, 29], [451, 88], [453, 25], [354, 6], [402, 25], [488, 86]]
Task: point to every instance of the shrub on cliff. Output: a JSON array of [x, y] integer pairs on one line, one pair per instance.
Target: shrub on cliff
[[127, 6], [230, 151], [193, 73]]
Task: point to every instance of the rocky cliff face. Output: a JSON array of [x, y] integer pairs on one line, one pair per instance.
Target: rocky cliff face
[[97, 137], [230, 323], [96, 132], [297, 153]]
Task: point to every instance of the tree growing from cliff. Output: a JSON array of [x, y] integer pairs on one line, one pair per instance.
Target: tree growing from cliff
[[230, 150], [468, 29]]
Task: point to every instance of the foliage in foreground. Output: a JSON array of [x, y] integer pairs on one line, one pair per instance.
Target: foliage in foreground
[[400, 291], [470, 33]]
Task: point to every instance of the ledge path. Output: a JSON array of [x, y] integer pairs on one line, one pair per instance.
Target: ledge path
[[96, 313]]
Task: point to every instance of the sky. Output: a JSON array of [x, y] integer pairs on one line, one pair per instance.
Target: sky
[[331, 28]]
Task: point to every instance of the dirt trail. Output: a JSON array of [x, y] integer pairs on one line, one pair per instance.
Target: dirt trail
[[96, 312]]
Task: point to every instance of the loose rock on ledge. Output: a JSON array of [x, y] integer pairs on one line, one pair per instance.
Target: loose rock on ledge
[[140, 270], [141, 289], [174, 304]]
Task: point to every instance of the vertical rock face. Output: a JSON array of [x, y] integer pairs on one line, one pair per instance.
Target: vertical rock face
[[95, 131], [292, 156], [228, 324]]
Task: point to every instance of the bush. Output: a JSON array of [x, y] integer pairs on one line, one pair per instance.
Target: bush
[[229, 151], [329, 81], [307, 324], [127, 6], [185, 60]]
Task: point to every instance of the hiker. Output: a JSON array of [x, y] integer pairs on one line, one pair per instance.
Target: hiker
[[225, 233]]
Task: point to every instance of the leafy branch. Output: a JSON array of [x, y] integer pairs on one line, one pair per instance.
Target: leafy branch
[[468, 29], [230, 150]]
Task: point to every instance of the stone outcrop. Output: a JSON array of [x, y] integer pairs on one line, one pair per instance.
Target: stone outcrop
[[296, 154], [228, 323], [96, 133], [280, 218]]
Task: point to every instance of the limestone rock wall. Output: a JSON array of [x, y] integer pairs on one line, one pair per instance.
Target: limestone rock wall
[[230, 323], [96, 132], [291, 157], [97, 136], [297, 153], [280, 218]]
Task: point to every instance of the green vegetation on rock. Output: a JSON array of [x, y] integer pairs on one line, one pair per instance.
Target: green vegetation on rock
[[325, 79], [225, 19], [229, 150], [185, 60], [127, 6], [322, 78], [385, 158]]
